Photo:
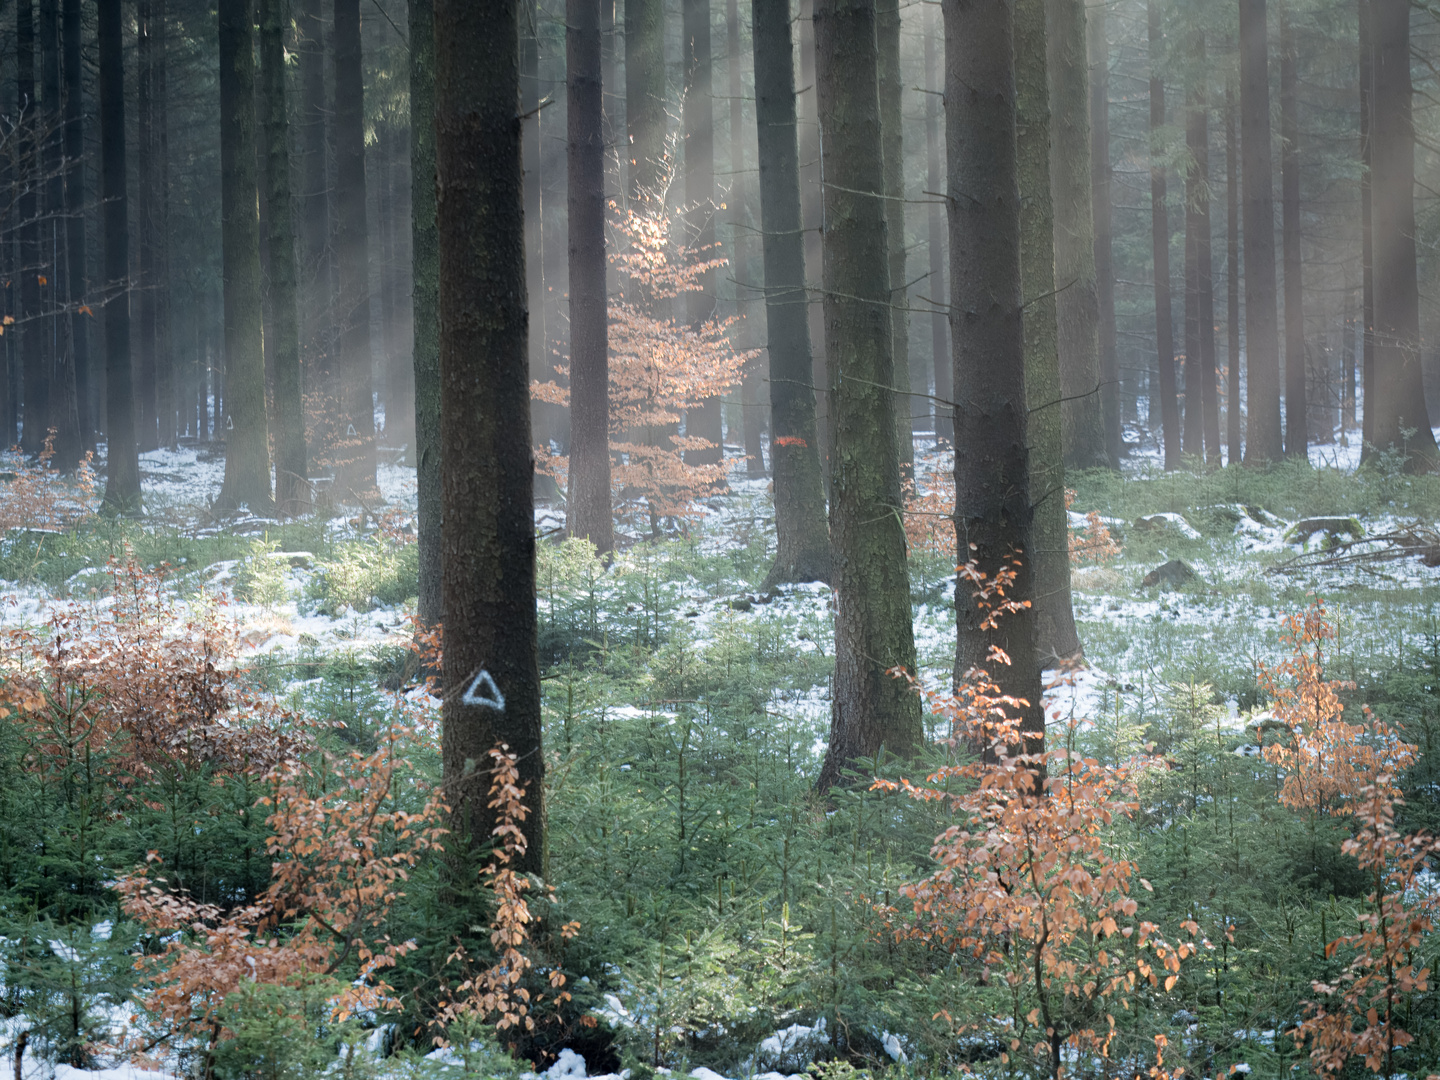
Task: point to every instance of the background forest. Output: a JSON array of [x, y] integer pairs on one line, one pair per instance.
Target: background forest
[[764, 539]]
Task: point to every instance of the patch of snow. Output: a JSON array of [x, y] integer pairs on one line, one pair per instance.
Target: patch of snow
[[568, 1066]]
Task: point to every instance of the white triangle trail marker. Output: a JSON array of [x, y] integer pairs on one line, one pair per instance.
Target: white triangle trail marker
[[350, 431], [483, 691]]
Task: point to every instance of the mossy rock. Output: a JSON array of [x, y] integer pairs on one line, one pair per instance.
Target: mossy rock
[[1336, 530]]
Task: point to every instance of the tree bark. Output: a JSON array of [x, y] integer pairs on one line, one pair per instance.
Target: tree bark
[[1077, 305], [1296, 397], [247, 438], [1402, 419], [994, 518], [811, 196], [122, 459], [64, 407], [34, 362], [148, 420], [491, 665], [1262, 349], [588, 510], [1160, 247], [887, 40], [870, 709], [426, 285], [1205, 258], [944, 403], [355, 473], [754, 376], [1367, 235], [1100, 173], [1198, 392], [803, 538], [292, 490], [316, 269], [698, 120], [1232, 276], [645, 95]]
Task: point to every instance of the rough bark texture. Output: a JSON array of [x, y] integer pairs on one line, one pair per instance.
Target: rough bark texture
[[803, 538], [870, 709], [1262, 347], [488, 468], [426, 284], [645, 93], [1160, 248], [887, 40], [164, 359], [34, 328], [64, 412], [1402, 419], [755, 375], [1100, 173], [1367, 235], [292, 492], [1232, 277], [247, 439], [588, 513], [148, 427], [75, 239], [993, 514], [1077, 305], [937, 293], [356, 473], [698, 120], [1296, 398], [122, 464], [1054, 618]]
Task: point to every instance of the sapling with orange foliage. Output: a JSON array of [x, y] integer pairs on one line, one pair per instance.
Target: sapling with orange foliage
[[37, 496]]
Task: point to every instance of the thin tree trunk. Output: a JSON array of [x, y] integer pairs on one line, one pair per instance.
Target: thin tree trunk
[[1077, 305], [994, 513], [247, 437], [1262, 349], [1347, 370], [542, 367], [811, 198], [1367, 235], [492, 672], [1056, 637], [64, 407], [355, 472], [122, 464], [871, 710], [1160, 248], [803, 539], [1296, 397], [753, 417], [314, 201], [645, 95], [425, 259], [148, 431], [292, 491], [1210, 390], [588, 509], [1195, 223], [34, 363], [1232, 276], [164, 357], [944, 403], [1100, 172], [887, 40]]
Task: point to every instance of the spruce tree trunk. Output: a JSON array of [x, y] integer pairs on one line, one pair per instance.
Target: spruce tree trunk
[[355, 472], [887, 40], [1402, 419], [64, 408], [1296, 397], [870, 708], [588, 510], [542, 364], [1077, 305], [811, 195], [316, 270], [1056, 637], [1209, 375], [802, 534], [1367, 236], [1262, 348], [754, 377], [164, 356], [1232, 277], [698, 120], [34, 328], [1100, 172], [492, 671], [247, 437], [1160, 249], [148, 431], [425, 273], [939, 295], [122, 459], [994, 516], [1195, 186], [645, 94], [292, 490]]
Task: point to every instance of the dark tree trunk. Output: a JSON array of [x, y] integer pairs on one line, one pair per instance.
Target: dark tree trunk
[[542, 365], [803, 539], [887, 40], [1232, 277], [871, 710], [1205, 270], [122, 468], [754, 377], [64, 406], [939, 296], [292, 491], [148, 431], [164, 358], [355, 473], [1367, 235], [1296, 397], [34, 363], [645, 94], [247, 437], [1348, 347], [698, 120], [1100, 173], [426, 255], [1160, 248], [492, 671], [316, 268], [994, 518], [1402, 419], [811, 194], [1262, 348], [1198, 392], [588, 510]]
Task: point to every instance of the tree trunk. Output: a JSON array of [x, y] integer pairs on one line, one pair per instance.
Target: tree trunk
[[164, 356], [1368, 402], [1205, 263], [64, 408], [355, 472], [426, 255], [588, 511], [645, 95], [122, 462], [994, 516], [1160, 248], [148, 431], [871, 710], [811, 194], [1077, 306], [1232, 276], [292, 491], [314, 201], [944, 403], [1100, 173], [887, 40], [1196, 223], [492, 671], [1056, 637], [34, 364], [803, 538], [542, 365], [1402, 419], [1262, 350], [754, 376], [1296, 397]]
